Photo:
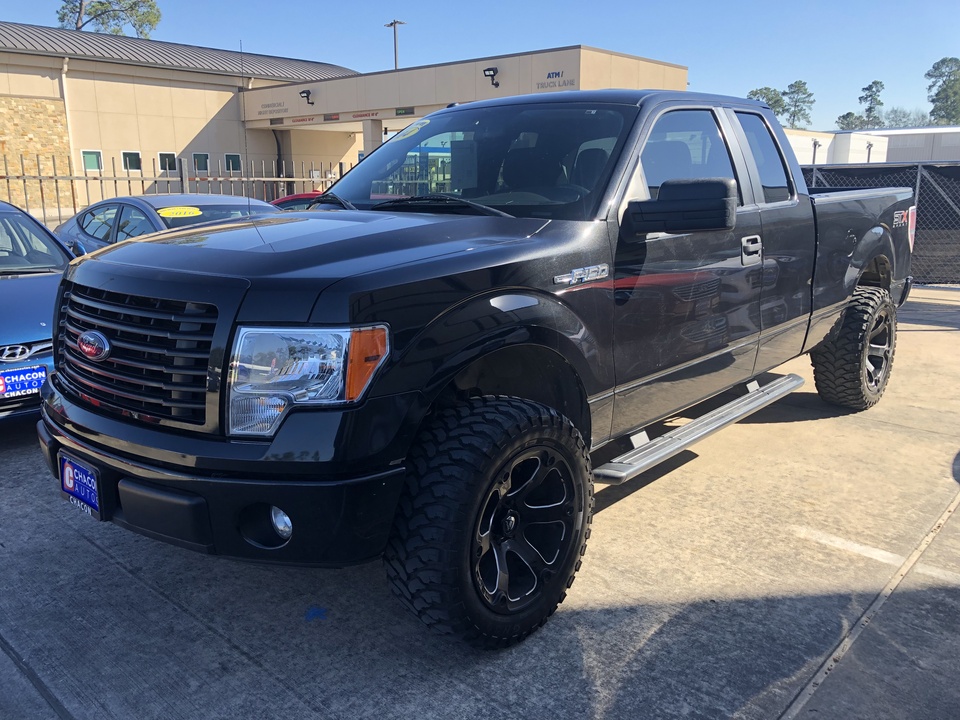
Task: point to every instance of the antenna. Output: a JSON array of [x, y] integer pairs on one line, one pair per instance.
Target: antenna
[[243, 128]]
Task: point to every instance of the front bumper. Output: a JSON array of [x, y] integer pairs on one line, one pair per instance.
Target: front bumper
[[338, 519]]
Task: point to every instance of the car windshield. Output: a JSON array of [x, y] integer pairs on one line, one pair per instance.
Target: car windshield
[[26, 248], [183, 215], [539, 160]]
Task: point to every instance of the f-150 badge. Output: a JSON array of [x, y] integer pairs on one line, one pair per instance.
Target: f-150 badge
[[581, 275]]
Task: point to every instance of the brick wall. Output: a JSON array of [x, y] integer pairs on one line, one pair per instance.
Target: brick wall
[[32, 127]]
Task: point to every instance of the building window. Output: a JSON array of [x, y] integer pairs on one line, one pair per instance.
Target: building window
[[131, 160], [168, 161], [233, 162], [201, 162], [92, 160]]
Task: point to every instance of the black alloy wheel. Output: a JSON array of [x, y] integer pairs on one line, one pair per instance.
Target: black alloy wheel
[[879, 351], [852, 367], [523, 533], [493, 521]]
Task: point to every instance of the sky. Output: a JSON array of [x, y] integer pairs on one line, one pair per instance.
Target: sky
[[730, 48]]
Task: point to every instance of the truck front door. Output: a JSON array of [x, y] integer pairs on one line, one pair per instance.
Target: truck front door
[[686, 306]]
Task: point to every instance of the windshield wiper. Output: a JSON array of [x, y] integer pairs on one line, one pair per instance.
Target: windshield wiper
[[328, 198], [445, 199], [29, 271]]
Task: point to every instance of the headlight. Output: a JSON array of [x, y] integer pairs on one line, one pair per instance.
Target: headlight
[[273, 369]]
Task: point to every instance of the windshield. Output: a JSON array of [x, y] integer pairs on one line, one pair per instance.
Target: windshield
[[26, 248], [538, 160], [183, 215]]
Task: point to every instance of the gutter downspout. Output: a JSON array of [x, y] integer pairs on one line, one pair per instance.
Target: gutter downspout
[[66, 121]]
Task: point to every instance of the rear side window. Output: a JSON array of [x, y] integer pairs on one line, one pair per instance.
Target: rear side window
[[773, 174], [98, 223], [685, 145], [133, 223]]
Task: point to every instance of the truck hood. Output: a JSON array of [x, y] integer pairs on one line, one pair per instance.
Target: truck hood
[[28, 302], [325, 244]]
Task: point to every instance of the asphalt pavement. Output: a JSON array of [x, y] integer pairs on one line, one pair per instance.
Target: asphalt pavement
[[802, 563]]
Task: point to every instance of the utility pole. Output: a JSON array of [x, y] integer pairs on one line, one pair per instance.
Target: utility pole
[[393, 24]]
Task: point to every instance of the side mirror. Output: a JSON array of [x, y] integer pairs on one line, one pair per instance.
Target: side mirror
[[684, 206]]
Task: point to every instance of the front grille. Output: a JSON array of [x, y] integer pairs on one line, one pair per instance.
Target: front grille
[[159, 353]]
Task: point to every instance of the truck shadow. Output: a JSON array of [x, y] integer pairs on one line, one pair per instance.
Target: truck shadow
[[147, 621], [334, 644], [938, 315]]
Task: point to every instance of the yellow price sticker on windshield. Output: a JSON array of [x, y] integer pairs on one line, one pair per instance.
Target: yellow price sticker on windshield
[[411, 130], [175, 212]]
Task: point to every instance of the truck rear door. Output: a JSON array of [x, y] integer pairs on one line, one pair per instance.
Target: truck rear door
[[686, 311], [788, 242]]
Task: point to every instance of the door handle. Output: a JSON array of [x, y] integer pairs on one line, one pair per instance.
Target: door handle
[[751, 250]]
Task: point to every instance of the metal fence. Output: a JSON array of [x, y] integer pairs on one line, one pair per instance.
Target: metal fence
[[936, 253], [52, 190]]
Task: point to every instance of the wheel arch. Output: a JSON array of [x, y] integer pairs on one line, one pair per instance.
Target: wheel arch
[[874, 259], [525, 344], [530, 372]]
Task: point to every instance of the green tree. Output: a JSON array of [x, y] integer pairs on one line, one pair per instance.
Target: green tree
[[851, 121], [872, 104], [110, 16], [944, 91], [898, 117], [798, 101], [773, 98]]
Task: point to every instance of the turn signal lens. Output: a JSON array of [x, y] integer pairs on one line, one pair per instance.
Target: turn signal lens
[[368, 348]]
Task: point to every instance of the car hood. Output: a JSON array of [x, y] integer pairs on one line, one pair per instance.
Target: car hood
[[328, 244], [29, 301]]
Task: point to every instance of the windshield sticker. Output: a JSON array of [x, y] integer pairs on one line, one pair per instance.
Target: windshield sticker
[[176, 212], [411, 130]]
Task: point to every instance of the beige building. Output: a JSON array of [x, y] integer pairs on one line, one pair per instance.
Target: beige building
[[357, 112], [827, 148], [91, 105], [124, 115], [98, 115], [929, 144]]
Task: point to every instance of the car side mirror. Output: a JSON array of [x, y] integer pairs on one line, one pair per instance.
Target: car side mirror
[[684, 206]]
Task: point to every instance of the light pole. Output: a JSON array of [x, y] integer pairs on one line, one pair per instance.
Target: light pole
[[393, 24]]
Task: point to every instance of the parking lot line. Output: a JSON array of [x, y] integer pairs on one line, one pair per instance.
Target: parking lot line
[[804, 696]]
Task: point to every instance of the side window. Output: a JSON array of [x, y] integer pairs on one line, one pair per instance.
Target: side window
[[168, 161], [201, 162], [773, 174], [685, 145], [133, 223], [98, 223], [92, 160], [233, 163], [131, 160]]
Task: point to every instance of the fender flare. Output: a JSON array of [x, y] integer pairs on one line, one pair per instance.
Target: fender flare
[[489, 322]]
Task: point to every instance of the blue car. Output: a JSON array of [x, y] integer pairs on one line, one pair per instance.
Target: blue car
[[123, 218], [31, 263]]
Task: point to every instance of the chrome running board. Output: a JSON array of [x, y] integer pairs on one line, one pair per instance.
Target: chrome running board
[[630, 464]]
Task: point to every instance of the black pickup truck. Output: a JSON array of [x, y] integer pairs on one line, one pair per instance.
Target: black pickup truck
[[490, 313]]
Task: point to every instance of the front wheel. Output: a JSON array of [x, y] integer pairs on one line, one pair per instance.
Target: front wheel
[[493, 520], [852, 368]]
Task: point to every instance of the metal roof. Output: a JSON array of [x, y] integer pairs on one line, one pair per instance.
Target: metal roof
[[102, 47]]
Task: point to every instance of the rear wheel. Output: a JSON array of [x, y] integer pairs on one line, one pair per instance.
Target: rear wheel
[[852, 368], [493, 520]]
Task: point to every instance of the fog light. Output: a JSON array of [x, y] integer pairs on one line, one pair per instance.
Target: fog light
[[282, 524]]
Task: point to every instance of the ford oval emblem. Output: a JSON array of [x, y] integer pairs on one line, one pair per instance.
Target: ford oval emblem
[[93, 345]]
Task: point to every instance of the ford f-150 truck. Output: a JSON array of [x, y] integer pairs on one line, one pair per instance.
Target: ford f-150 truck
[[494, 310]]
